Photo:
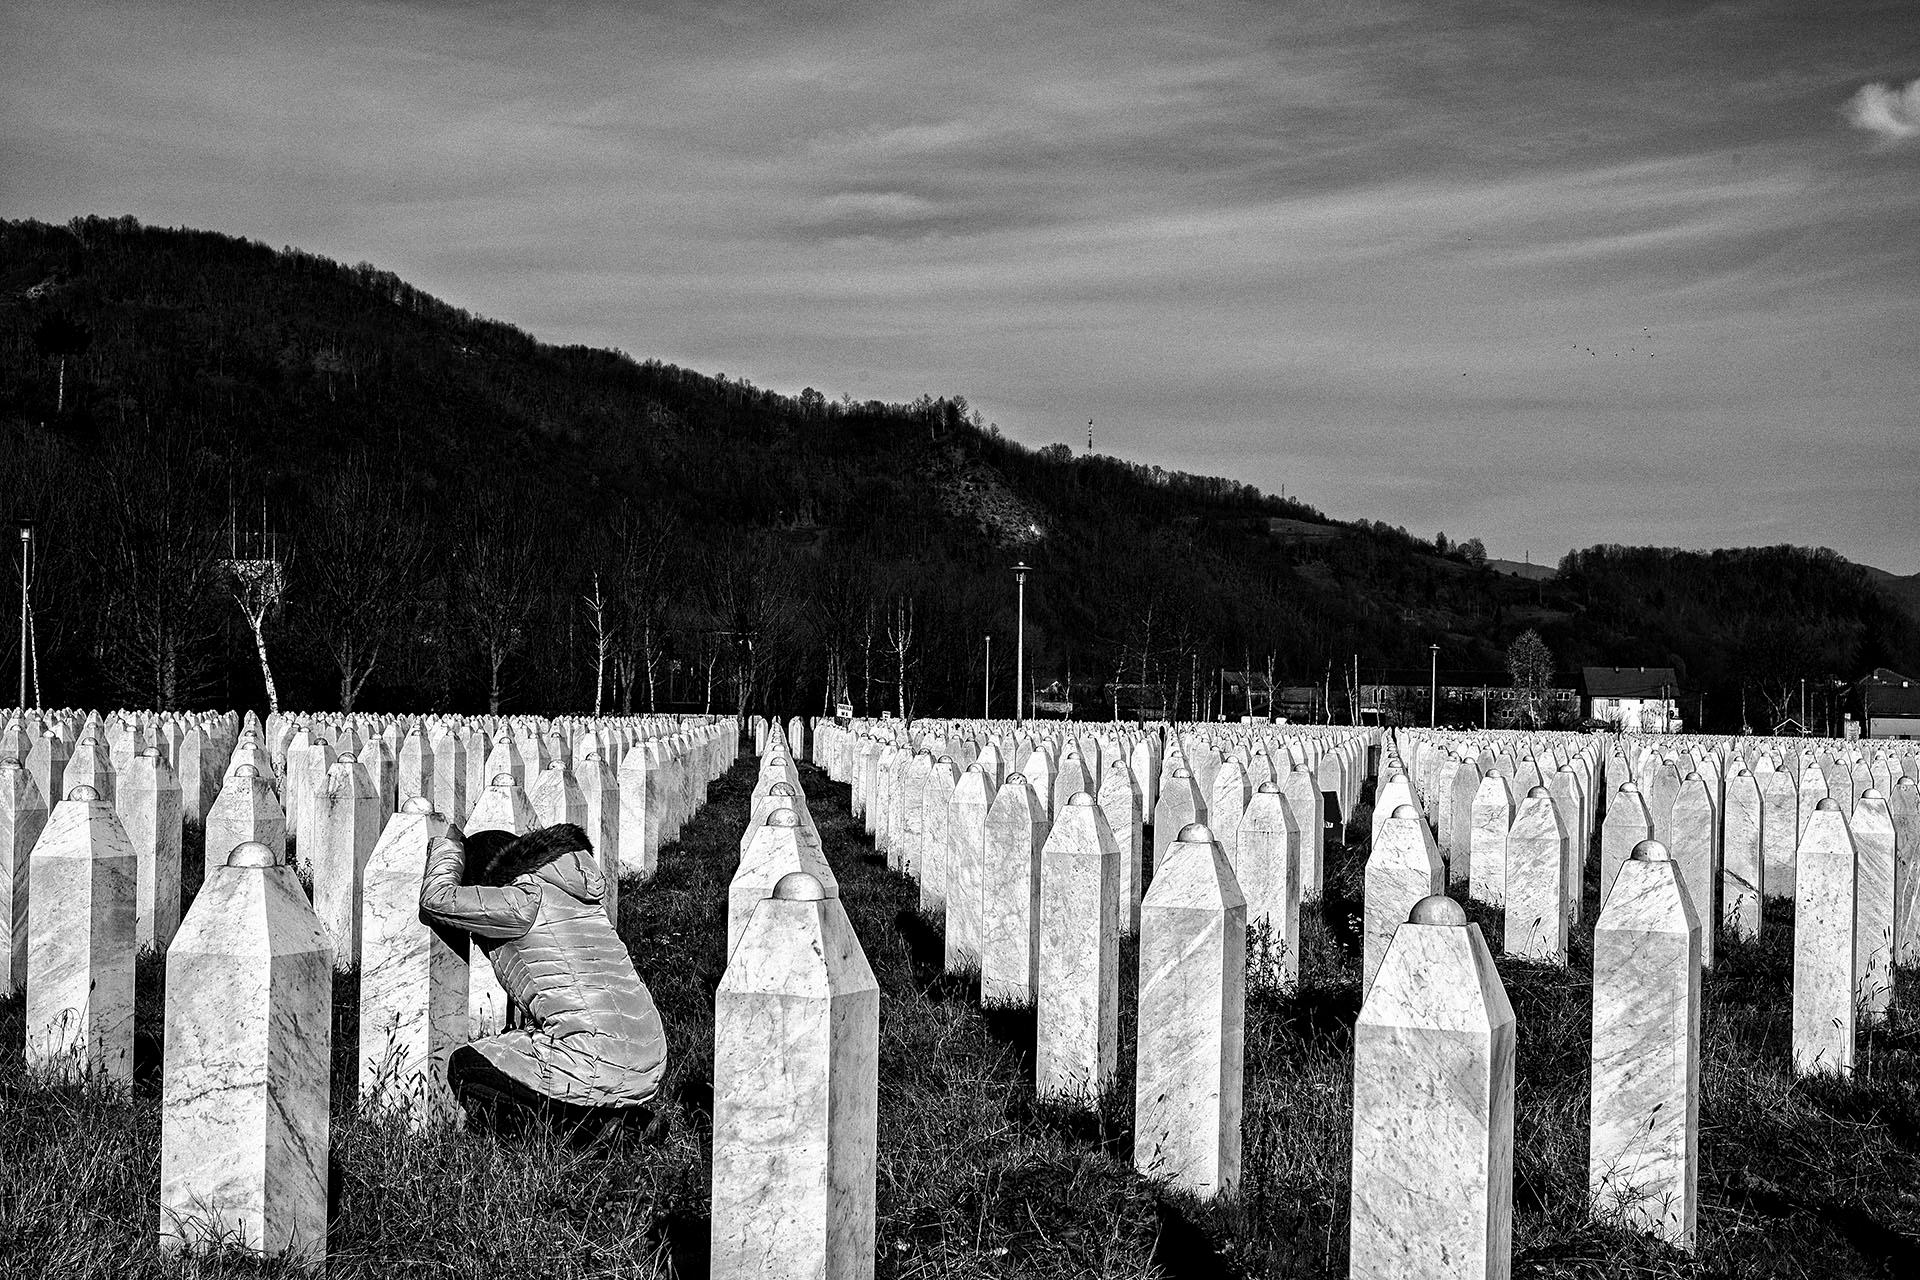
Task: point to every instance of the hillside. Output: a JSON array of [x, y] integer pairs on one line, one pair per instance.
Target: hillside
[[445, 491]]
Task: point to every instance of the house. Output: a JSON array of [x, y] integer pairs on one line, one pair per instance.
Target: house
[[1632, 699], [1888, 704], [1245, 691]]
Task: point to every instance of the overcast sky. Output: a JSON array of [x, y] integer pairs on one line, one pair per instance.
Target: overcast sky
[[1548, 274]]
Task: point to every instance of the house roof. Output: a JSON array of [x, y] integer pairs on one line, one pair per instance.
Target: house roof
[[1888, 693], [1629, 682]]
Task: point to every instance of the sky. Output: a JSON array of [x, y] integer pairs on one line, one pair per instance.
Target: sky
[[1546, 274]]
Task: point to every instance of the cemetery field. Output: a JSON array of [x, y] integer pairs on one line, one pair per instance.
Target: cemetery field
[[1798, 1178]]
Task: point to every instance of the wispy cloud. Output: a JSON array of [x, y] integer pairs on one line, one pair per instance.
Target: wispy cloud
[[1548, 274], [1891, 113]]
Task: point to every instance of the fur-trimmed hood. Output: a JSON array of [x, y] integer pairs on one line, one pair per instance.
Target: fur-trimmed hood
[[499, 857]]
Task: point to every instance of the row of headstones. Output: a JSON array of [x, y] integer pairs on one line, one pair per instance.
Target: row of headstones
[[1225, 765], [1734, 833], [620, 779], [1435, 1041], [1432, 1172], [1035, 886], [249, 993], [797, 1026], [1649, 951]]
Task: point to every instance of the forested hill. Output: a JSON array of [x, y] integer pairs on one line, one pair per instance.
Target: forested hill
[[466, 516]]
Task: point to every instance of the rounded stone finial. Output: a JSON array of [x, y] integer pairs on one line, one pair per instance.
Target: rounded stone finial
[[799, 886], [1438, 909], [1195, 833], [501, 780], [1183, 772], [1651, 851], [148, 753], [89, 741], [975, 768], [1873, 793], [348, 757], [1269, 788], [1629, 788], [417, 804], [780, 789], [251, 854], [1693, 775], [1016, 777], [245, 771], [1828, 805], [1082, 799], [1396, 777], [1404, 811], [1539, 793], [83, 793], [783, 818]]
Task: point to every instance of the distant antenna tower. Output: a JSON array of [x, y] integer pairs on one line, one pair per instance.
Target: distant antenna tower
[[1089, 435]]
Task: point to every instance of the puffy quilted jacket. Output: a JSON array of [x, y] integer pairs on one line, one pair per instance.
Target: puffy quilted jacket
[[594, 1037]]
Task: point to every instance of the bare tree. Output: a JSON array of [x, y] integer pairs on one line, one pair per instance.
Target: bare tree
[[643, 580], [258, 585], [600, 624], [900, 644], [752, 599], [497, 589], [1530, 663], [156, 555], [361, 571]]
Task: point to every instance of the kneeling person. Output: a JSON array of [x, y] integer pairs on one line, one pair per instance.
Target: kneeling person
[[592, 1052]]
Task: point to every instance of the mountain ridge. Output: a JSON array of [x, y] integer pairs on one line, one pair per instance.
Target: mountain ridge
[[274, 369]]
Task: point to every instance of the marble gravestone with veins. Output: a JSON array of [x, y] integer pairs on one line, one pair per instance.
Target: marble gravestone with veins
[[1536, 923], [1873, 843], [1014, 835], [795, 1094], [346, 821], [1692, 833], [1492, 819], [966, 869], [413, 976], [1077, 1022], [1742, 856], [1824, 955], [1267, 866], [1433, 1057], [1403, 867], [23, 815], [1192, 1020], [149, 804], [1644, 1117], [82, 886], [244, 1113]]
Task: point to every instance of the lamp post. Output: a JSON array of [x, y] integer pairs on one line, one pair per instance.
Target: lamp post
[[1020, 572], [1433, 692], [26, 564]]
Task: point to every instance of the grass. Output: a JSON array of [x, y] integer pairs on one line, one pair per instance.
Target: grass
[[976, 1178]]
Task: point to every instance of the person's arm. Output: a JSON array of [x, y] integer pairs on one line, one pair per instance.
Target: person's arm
[[482, 910]]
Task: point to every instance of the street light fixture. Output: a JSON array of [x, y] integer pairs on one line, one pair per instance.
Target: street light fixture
[[26, 569], [1020, 572], [1433, 693]]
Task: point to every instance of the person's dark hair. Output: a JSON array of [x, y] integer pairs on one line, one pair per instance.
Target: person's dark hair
[[500, 857]]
